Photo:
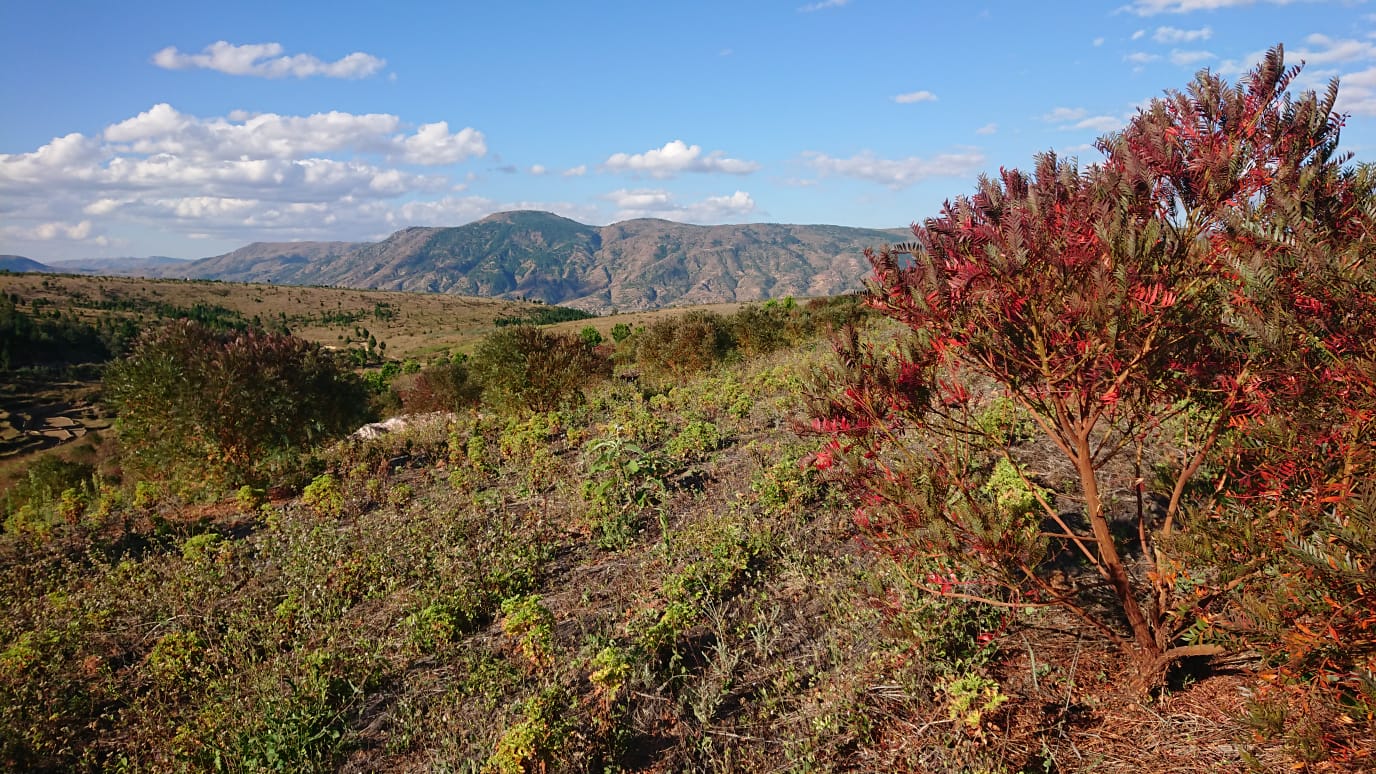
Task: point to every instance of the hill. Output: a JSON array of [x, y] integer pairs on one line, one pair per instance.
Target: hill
[[123, 267], [411, 324], [632, 265], [19, 264]]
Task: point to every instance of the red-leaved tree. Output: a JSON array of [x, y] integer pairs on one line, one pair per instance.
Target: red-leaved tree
[[1209, 274]]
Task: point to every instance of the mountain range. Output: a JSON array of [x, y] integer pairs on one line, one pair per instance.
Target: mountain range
[[626, 266]]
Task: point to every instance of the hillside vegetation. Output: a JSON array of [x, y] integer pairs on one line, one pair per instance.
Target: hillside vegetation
[[1082, 482]]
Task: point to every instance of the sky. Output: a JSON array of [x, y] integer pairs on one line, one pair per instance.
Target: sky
[[189, 129]]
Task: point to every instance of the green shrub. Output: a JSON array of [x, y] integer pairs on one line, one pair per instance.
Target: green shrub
[[523, 367], [324, 496], [533, 742], [678, 346], [590, 336], [695, 441], [444, 387], [45, 484], [532, 625], [623, 481], [197, 403], [761, 329], [249, 498]]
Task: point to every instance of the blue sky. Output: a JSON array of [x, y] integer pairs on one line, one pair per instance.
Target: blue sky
[[189, 129]]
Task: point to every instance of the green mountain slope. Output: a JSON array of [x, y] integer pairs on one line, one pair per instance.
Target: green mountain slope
[[633, 265]]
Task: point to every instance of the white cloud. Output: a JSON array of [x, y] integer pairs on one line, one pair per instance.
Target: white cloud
[[822, 5], [1357, 94], [1154, 7], [1062, 114], [896, 173], [987, 129], [1176, 35], [1319, 50], [54, 231], [1138, 34], [1322, 50], [578, 171], [677, 157], [1079, 118], [1098, 42], [266, 60], [242, 176], [432, 144], [1100, 123], [658, 203], [1141, 58], [163, 130], [537, 169], [914, 96], [1188, 58]]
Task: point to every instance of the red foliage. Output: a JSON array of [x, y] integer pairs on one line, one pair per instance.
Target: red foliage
[[1215, 261]]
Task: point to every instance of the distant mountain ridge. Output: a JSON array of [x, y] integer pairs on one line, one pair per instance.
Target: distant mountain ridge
[[19, 265], [632, 265], [118, 267]]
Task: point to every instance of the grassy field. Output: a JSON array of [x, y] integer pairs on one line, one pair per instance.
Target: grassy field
[[656, 577], [412, 324], [511, 594], [42, 415]]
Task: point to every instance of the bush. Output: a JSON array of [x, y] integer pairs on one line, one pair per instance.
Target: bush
[[443, 387], [688, 343], [1214, 260], [761, 329], [43, 488], [198, 403], [523, 367]]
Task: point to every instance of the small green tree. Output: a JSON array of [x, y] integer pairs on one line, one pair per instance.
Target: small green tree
[[684, 344], [524, 367], [197, 402], [590, 336]]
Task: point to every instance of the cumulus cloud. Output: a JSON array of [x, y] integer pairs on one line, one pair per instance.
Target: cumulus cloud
[[1079, 118], [266, 60], [1062, 114], [1317, 51], [164, 130], [1189, 58], [1141, 57], [1100, 123], [537, 169], [674, 158], [1176, 35], [434, 145], [47, 232], [914, 96], [578, 171], [896, 173], [987, 129], [658, 203], [242, 176], [822, 5], [1358, 93]]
